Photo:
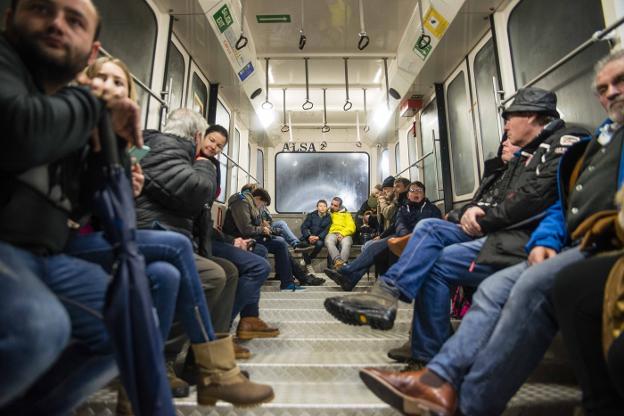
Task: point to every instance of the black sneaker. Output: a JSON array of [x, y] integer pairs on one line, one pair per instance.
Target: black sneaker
[[340, 280], [376, 307], [311, 280], [303, 247]]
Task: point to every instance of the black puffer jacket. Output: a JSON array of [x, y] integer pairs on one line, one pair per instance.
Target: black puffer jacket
[[410, 213], [509, 224], [176, 185]]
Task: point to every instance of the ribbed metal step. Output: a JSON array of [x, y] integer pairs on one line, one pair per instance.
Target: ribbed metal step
[[315, 315]]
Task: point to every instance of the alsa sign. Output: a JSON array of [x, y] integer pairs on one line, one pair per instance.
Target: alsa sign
[[304, 147]]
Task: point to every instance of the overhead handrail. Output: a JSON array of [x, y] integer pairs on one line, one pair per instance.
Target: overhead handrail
[[325, 128], [415, 163], [290, 129], [423, 40], [285, 127], [348, 104], [385, 62], [307, 105], [239, 166], [593, 39], [266, 105], [302, 36], [363, 40], [242, 40], [366, 126], [139, 82], [358, 141]]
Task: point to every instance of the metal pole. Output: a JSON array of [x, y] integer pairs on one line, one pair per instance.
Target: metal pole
[[239, 166], [415, 163]]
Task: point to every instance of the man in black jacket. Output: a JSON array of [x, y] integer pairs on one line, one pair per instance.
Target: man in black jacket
[[314, 229], [178, 183], [46, 296], [487, 238]]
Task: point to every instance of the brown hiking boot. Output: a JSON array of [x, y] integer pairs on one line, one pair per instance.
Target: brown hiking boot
[[179, 387], [338, 263], [251, 327], [221, 379]]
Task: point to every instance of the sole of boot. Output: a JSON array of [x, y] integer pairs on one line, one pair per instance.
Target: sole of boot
[[248, 335], [213, 402], [408, 405], [181, 392], [359, 317], [400, 355], [304, 250]]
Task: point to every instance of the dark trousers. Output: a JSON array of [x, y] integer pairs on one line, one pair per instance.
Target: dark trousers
[[578, 298], [318, 246]]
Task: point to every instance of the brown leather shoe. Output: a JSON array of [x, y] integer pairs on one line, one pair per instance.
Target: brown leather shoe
[[406, 392], [252, 327], [240, 352], [397, 244]]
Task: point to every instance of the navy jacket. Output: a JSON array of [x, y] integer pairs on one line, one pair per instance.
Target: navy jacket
[[410, 213], [314, 224]]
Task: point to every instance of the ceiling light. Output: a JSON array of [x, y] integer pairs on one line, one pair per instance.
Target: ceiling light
[[266, 117], [381, 116]]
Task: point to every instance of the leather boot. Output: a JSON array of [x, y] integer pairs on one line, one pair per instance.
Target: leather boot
[[179, 387], [377, 307], [124, 408], [221, 379], [338, 263], [397, 244], [251, 327], [412, 392], [402, 354], [240, 352]]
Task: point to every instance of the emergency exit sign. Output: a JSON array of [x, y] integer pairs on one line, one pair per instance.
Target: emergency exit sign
[[273, 18]]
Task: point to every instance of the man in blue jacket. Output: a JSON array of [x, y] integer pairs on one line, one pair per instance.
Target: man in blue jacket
[[314, 229], [500, 343]]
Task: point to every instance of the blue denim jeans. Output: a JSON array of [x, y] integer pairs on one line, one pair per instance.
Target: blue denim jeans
[[287, 234], [503, 336], [161, 246], [353, 271], [34, 325], [279, 248], [430, 237], [253, 271]]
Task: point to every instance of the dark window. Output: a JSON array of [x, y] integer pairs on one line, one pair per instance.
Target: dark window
[[397, 158], [384, 165], [223, 118], [484, 70], [301, 179], [412, 155], [199, 95], [430, 133], [234, 151], [260, 167], [558, 30], [174, 77]]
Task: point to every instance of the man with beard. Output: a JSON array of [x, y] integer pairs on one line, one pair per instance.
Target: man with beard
[[47, 296]]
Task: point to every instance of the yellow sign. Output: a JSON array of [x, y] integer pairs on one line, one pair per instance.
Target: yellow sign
[[435, 22]]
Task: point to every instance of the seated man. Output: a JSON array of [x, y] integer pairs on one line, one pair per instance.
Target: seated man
[[366, 223], [488, 238], [314, 229], [385, 203], [512, 320], [416, 207], [339, 238]]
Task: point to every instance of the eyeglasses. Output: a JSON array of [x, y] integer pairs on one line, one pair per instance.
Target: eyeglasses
[[417, 190]]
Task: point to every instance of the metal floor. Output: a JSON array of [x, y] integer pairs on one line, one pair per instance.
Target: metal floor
[[313, 365]]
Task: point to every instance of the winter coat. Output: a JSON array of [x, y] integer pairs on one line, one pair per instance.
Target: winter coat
[[389, 228], [342, 223], [509, 224], [410, 213], [242, 219], [552, 231], [43, 142], [314, 224], [176, 185]]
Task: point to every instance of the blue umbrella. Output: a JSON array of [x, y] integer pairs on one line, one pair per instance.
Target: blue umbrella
[[129, 313]]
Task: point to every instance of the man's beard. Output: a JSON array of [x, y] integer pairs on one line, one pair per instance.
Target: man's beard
[[47, 68], [616, 111]]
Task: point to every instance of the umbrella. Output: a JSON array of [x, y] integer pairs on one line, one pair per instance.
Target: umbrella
[[129, 313]]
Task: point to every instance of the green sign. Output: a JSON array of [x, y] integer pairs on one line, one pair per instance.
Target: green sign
[[273, 18], [422, 52], [223, 18]]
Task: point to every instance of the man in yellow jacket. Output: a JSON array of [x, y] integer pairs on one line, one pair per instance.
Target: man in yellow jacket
[[339, 240]]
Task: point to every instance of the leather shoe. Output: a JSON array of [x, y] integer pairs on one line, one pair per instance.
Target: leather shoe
[[251, 327], [396, 245], [376, 307], [311, 280], [401, 354], [406, 391]]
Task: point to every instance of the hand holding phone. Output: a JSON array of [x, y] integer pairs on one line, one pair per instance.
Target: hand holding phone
[[137, 153]]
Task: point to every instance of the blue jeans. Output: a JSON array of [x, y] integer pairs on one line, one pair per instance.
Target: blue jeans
[[279, 248], [162, 246], [430, 237], [431, 321], [287, 234], [353, 271], [503, 336], [253, 271], [34, 325]]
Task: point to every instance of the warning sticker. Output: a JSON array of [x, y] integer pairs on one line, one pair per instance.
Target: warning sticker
[[422, 52], [435, 22]]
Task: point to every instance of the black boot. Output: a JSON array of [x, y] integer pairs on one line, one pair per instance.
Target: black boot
[[340, 279], [376, 307]]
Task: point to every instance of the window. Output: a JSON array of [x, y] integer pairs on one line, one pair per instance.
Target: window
[[397, 158], [260, 167], [248, 164], [174, 77], [572, 24], [412, 154], [199, 95], [130, 23], [234, 152], [384, 165], [327, 174], [461, 136], [484, 68], [432, 165], [223, 119]]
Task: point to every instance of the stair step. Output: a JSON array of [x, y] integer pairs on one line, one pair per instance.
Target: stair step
[[337, 330], [379, 344], [314, 315]]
